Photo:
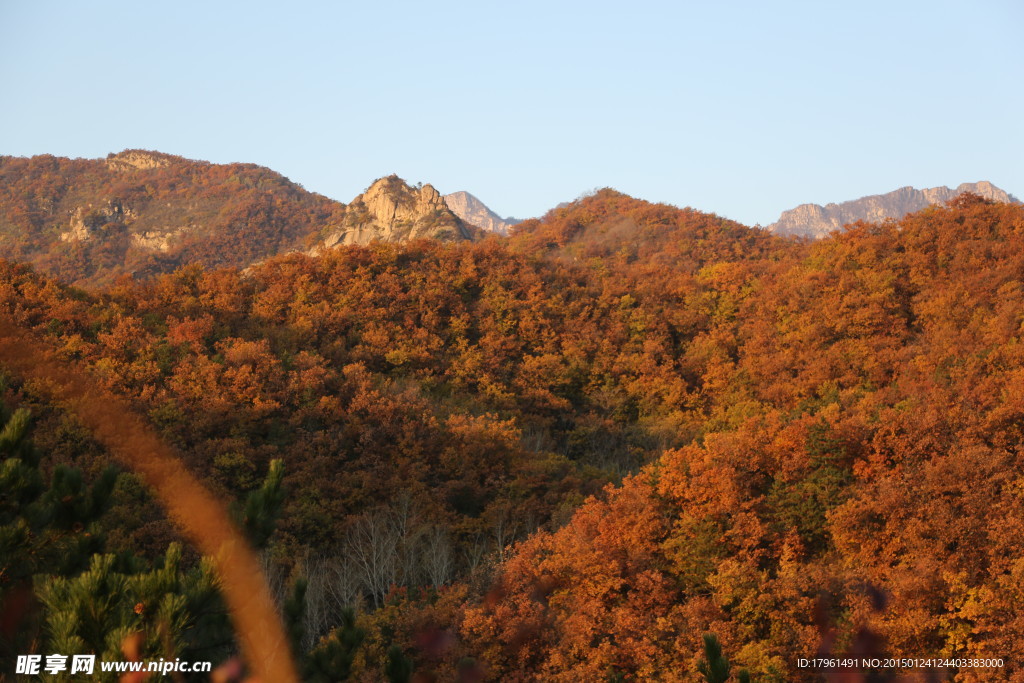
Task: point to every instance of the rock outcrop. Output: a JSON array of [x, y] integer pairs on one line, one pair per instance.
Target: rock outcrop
[[475, 212], [86, 221], [814, 220], [392, 211], [137, 158], [158, 240]]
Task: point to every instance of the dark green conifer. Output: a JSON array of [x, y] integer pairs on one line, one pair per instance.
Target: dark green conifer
[[258, 516], [714, 667], [295, 615], [398, 668], [47, 524], [173, 612], [332, 659]]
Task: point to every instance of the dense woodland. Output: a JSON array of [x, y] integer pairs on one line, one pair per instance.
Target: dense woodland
[[564, 455]]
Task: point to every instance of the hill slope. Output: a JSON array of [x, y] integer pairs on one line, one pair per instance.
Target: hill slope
[[87, 221], [855, 486], [827, 435]]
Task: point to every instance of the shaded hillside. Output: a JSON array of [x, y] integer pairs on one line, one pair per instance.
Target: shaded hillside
[[563, 376], [814, 220]]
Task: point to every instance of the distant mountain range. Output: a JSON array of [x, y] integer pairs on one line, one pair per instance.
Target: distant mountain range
[[138, 212], [475, 212], [814, 220]]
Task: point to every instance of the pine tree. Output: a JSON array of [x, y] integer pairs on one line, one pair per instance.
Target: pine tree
[[398, 668], [65, 595], [170, 611], [714, 667], [295, 615], [332, 659], [258, 516], [46, 525]]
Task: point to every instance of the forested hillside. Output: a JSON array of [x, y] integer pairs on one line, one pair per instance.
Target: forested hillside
[[88, 221], [568, 454], [854, 487]]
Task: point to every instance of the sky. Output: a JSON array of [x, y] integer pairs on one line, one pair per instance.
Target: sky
[[743, 109]]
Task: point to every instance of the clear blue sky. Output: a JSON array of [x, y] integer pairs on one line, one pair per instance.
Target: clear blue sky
[[740, 108]]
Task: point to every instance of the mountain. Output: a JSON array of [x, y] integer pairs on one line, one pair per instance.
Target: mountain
[[475, 212], [139, 212], [88, 221], [814, 220], [390, 210]]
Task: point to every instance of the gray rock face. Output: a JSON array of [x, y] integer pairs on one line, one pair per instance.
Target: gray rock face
[[814, 220], [475, 212], [392, 211]]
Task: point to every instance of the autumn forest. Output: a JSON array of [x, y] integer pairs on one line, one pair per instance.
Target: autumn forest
[[568, 454]]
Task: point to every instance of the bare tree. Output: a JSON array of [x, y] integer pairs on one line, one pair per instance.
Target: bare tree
[[475, 553], [436, 556], [317, 617], [404, 517], [333, 584], [344, 585], [372, 546], [504, 528]]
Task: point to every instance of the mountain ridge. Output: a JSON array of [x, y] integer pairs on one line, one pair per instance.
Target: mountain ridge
[[817, 221], [141, 213]]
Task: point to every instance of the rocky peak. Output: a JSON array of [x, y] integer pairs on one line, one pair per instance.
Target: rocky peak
[[814, 220], [475, 212], [987, 190], [390, 201], [391, 210]]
